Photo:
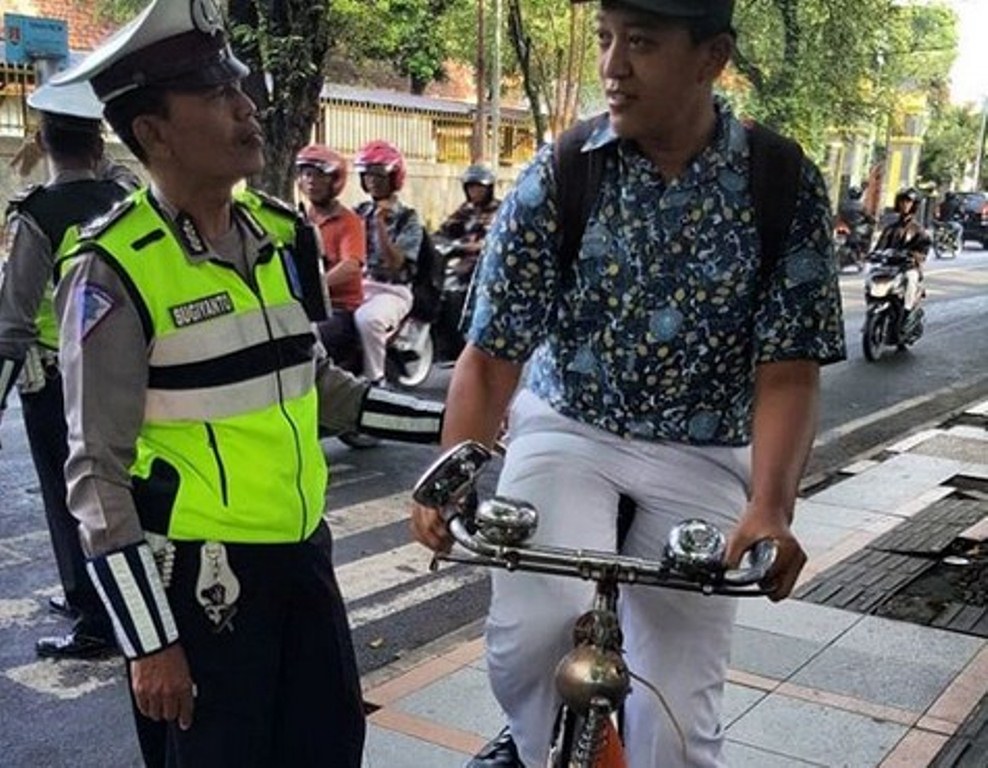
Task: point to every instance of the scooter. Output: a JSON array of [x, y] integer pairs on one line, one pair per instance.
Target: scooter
[[887, 324]]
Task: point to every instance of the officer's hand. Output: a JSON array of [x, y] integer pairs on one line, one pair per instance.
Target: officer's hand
[[755, 525], [429, 529], [163, 687]]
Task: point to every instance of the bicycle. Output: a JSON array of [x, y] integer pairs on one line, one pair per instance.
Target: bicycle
[[592, 680]]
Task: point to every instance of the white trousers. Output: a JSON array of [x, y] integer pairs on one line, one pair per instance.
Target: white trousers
[[385, 306], [913, 289], [680, 642]]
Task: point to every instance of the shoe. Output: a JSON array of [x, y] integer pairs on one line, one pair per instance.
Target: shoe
[[59, 605], [74, 645], [498, 753]]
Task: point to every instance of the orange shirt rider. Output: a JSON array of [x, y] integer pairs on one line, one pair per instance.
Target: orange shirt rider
[[342, 233]]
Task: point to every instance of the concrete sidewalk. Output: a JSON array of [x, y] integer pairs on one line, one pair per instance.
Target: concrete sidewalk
[[810, 685]]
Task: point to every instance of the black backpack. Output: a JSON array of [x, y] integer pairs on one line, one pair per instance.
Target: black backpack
[[776, 171]]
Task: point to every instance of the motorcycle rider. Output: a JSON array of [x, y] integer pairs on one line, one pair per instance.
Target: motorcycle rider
[[322, 176], [948, 214], [852, 212], [907, 234], [394, 236], [469, 223]]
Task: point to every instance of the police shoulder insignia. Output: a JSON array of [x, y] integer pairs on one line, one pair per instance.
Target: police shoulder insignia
[[94, 304], [102, 224]]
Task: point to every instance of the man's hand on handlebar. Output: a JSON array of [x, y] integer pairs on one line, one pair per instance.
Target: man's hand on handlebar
[[429, 529], [756, 524]]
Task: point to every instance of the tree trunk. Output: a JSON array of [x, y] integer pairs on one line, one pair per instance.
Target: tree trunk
[[523, 50]]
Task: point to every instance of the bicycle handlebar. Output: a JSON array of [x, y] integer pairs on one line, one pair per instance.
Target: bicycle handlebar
[[692, 558]]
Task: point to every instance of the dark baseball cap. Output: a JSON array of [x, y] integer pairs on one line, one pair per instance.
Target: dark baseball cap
[[716, 14]]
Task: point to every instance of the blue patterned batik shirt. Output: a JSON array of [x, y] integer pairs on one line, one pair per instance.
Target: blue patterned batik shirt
[[657, 334]]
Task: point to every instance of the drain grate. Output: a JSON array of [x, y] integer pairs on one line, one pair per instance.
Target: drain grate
[[903, 574]]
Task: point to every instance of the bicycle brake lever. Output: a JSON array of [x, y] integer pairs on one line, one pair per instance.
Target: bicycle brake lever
[[755, 564]]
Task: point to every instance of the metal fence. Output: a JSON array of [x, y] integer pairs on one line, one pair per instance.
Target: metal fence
[[15, 83], [424, 128]]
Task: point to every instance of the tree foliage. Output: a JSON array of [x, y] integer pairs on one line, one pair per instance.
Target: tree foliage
[[815, 65], [950, 145]]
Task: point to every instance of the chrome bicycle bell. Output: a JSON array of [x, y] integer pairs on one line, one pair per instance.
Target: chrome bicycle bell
[[696, 546], [507, 522]]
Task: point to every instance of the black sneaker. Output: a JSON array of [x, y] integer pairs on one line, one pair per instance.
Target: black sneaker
[[498, 753]]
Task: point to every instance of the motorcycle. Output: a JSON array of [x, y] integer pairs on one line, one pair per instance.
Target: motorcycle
[[887, 324], [946, 240]]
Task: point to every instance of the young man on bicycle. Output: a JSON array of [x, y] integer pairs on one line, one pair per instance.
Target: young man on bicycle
[[661, 367]]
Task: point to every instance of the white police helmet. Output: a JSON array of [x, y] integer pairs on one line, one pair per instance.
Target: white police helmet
[[172, 44]]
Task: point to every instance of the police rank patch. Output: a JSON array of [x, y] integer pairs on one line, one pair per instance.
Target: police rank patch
[[200, 310], [95, 303]]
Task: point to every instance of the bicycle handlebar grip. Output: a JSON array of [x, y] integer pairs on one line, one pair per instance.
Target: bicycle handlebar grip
[[755, 564]]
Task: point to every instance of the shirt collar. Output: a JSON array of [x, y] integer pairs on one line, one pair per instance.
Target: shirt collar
[[68, 175], [729, 146]]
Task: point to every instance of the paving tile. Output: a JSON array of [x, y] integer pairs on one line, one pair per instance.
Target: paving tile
[[769, 654], [908, 443], [911, 643], [740, 755], [955, 447], [969, 431], [738, 699], [890, 662], [793, 618], [892, 484], [817, 538], [852, 518], [463, 700], [873, 678], [388, 749], [815, 734], [859, 466]]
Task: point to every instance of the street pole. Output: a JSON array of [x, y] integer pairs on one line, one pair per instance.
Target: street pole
[[979, 159], [479, 132], [496, 90]]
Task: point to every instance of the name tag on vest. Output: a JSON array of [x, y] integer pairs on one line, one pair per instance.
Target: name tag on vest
[[202, 309]]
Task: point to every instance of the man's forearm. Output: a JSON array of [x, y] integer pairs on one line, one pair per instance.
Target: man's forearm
[[785, 418], [479, 393]]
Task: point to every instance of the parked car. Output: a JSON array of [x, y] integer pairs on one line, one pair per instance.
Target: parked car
[[974, 216]]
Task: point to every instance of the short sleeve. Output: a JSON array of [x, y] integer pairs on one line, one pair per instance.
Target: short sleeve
[[799, 316], [514, 296], [409, 237]]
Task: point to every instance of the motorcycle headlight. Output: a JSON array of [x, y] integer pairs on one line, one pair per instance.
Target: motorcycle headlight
[[880, 288]]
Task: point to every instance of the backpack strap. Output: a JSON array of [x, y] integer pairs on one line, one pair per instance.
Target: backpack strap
[[775, 175], [578, 176]]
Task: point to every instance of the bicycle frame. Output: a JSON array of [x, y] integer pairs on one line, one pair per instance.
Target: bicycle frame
[[592, 679]]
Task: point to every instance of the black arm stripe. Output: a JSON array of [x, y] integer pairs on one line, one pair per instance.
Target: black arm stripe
[[258, 360]]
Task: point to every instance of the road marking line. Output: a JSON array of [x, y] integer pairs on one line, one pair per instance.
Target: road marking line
[[377, 573], [443, 585], [367, 515]]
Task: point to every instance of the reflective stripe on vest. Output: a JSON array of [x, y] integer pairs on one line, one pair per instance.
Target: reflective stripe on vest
[[229, 449]]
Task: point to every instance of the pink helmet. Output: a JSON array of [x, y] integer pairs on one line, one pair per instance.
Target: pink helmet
[[323, 159], [379, 154]]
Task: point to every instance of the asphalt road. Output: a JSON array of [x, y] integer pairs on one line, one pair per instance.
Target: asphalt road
[[60, 714]]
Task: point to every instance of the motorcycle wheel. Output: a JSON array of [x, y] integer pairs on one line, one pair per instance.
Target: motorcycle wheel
[[873, 336], [358, 440], [416, 371]]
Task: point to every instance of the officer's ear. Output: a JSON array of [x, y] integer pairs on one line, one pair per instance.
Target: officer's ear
[[148, 132]]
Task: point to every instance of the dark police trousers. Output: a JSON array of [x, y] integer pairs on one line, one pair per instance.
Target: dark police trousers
[[278, 687], [44, 422]]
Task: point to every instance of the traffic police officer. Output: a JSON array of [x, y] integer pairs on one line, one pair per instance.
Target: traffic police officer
[[69, 135], [194, 394]]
